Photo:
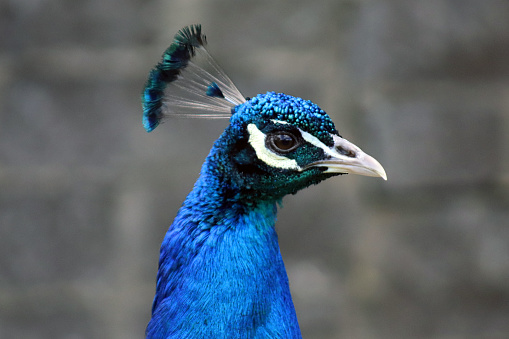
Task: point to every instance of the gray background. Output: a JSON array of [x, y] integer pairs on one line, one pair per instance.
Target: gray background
[[86, 195]]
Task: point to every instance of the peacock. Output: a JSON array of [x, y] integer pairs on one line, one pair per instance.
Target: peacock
[[221, 274]]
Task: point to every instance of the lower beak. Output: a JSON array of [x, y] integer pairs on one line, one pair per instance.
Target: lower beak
[[345, 157]]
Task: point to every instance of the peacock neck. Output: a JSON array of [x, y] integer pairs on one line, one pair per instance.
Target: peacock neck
[[221, 272]]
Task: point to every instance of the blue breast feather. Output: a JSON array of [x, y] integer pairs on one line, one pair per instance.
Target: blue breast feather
[[221, 274]]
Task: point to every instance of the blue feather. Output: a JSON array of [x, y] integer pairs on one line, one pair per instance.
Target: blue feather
[[214, 91]]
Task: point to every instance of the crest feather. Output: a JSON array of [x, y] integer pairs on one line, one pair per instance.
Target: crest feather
[[187, 82]]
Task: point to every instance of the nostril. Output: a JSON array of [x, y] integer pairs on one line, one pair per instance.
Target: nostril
[[346, 152]]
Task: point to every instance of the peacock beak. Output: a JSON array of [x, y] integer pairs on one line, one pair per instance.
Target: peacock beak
[[345, 157]]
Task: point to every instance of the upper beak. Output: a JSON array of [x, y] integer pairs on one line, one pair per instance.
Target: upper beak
[[345, 157]]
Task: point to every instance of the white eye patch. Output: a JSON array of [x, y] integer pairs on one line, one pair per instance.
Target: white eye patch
[[310, 138], [257, 141]]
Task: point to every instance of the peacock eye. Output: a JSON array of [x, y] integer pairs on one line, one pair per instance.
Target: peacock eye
[[282, 142]]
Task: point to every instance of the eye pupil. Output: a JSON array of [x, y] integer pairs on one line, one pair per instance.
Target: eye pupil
[[282, 142]]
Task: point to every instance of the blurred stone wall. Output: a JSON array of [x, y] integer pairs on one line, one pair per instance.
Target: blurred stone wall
[[86, 195]]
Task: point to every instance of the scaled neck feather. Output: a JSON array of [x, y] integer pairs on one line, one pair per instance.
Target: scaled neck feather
[[221, 273]]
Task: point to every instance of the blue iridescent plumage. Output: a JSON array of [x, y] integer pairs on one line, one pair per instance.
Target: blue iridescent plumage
[[221, 274], [213, 90]]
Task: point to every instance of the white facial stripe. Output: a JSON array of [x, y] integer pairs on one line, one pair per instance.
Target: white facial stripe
[[257, 141], [316, 142], [310, 138], [279, 122]]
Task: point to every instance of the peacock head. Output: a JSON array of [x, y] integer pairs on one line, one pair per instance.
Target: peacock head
[[275, 144]]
